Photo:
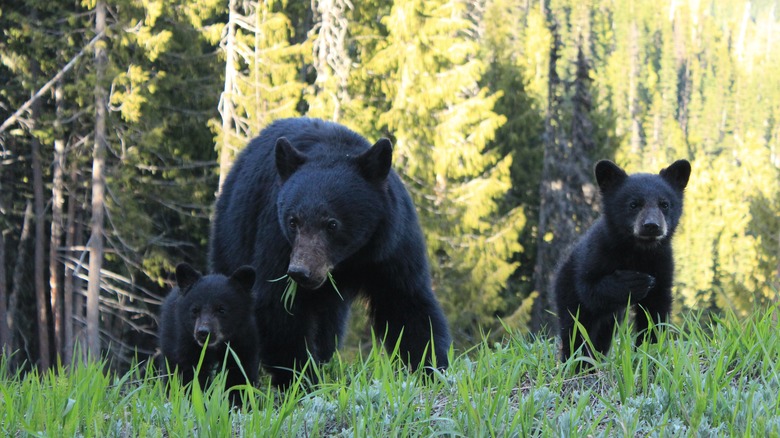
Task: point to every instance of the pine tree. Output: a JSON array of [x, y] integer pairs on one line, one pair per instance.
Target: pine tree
[[504, 49], [442, 122]]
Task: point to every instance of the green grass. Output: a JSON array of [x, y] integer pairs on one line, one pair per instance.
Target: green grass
[[714, 378], [291, 291]]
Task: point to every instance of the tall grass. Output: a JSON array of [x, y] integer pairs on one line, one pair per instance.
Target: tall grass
[[705, 378]]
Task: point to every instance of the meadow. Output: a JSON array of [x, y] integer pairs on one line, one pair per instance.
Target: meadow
[[707, 376]]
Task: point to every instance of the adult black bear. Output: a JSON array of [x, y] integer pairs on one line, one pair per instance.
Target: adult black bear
[[312, 199], [626, 256], [214, 309]]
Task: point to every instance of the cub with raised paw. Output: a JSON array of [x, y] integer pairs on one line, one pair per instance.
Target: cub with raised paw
[[625, 257]]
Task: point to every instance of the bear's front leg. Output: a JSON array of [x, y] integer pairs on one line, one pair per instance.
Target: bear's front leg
[[598, 328], [417, 319], [658, 306], [614, 291]]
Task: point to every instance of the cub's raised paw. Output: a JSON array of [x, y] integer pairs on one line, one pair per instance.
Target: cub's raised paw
[[637, 284]]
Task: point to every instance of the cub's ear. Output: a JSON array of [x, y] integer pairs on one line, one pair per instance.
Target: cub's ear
[[186, 276], [375, 163], [244, 277], [677, 174], [288, 159], [609, 175]]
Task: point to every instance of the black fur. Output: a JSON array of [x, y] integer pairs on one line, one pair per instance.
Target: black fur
[[308, 198], [213, 307], [626, 256]]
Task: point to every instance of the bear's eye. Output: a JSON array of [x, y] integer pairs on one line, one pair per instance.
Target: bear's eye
[[221, 310], [292, 222], [195, 311], [633, 205], [332, 225], [664, 205]]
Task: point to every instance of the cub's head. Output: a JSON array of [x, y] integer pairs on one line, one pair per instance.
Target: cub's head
[[643, 207], [329, 206], [214, 307]]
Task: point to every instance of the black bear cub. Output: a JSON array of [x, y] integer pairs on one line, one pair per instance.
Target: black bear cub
[[315, 201], [625, 257], [216, 311]]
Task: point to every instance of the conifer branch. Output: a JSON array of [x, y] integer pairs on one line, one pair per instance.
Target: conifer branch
[[15, 116]]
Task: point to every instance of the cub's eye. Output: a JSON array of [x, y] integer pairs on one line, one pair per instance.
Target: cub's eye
[[292, 222], [221, 310], [664, 205], [195, 311], [332, 225], [633, 205]]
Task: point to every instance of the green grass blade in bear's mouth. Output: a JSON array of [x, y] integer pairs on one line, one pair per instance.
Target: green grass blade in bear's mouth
[[290, 290], [333, 283]]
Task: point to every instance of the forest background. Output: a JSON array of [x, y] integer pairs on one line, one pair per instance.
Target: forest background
[[121, 117]]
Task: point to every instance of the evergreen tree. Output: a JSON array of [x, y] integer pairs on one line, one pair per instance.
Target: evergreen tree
[[504, 51], [442, 122]]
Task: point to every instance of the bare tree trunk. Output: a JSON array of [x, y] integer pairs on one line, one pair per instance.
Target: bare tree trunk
[[5, 332], [77, 290], [98, 189], [226, 108], [58, 200], [80, 298], [40, 234], [68, 279], [331, 57], [16, 282]]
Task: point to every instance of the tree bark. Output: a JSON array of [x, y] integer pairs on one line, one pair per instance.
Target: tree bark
[[58, 200], [18, 276], [68, 279], [226, 108], [41, 303], [5, 332], [98, 190], [331, 57]]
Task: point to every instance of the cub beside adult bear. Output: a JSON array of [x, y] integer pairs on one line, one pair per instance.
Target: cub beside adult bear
[[316, 201], [213, 309], [625, 257]]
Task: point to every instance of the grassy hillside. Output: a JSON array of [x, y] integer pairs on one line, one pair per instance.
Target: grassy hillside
[[704, 378]]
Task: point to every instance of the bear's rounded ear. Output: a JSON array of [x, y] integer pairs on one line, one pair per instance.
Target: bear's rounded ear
[[677, 174], [244, 277], [288, 159], [186, 276], [609, 175], [375, 163]]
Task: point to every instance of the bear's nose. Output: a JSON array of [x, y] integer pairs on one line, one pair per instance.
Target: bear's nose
[[651, 229], [202, 334], [300, 274]]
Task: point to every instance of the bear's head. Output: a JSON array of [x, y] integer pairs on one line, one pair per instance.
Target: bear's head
[[214, 307], [329, 206], [643, 207]]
